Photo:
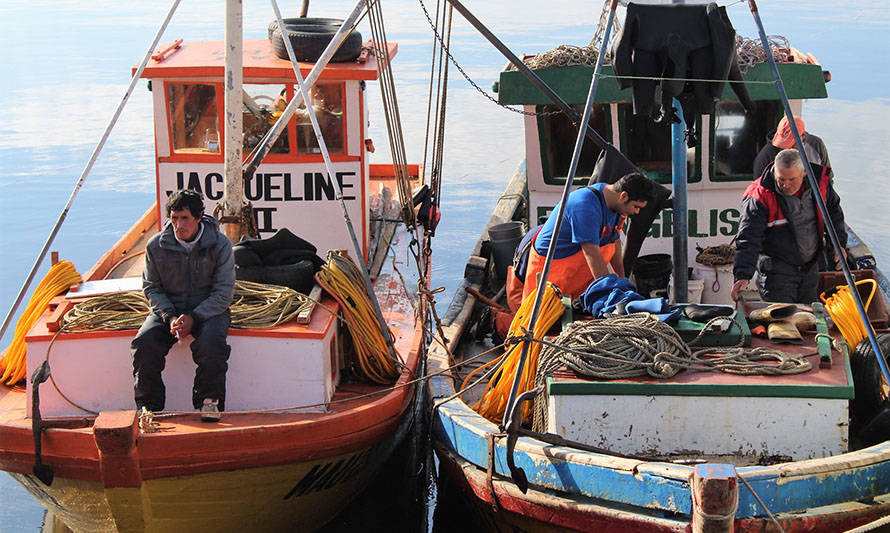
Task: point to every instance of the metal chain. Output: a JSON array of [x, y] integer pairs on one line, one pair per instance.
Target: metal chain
[[467, 77]]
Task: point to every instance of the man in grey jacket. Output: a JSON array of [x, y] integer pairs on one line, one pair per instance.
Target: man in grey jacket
[[189, 279]]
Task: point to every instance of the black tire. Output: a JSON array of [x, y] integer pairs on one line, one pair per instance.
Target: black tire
[[867, 381], [309, 41], [305, 21]]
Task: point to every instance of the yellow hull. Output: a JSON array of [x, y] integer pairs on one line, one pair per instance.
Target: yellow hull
[[295, 497]]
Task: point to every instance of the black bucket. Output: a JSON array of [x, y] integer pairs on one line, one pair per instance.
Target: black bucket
[[504, 240], [652, 273]]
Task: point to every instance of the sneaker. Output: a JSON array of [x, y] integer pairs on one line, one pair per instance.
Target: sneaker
[[210, 411]]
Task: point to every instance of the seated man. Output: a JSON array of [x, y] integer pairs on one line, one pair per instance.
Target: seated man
[[189, 279], [589, 239], [781, 232]]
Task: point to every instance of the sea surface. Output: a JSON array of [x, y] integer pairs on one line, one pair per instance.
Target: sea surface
[[64, 66]]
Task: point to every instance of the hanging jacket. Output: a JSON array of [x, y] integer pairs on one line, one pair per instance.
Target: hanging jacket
[[766, 229]]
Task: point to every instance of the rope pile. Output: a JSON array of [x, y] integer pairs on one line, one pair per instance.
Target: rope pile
[[843, 311], [564, 55], [497, 392], [59, 278], [255, 305], [341, 278], [637, 345], [751, 52], [723, 254]]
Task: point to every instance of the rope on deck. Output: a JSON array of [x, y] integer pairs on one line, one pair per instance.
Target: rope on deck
[[636, 345]]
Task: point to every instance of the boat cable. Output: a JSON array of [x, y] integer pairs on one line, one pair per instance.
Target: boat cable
[[871, 526], [495, 398], [439, 87], [13, 366], [842, 309], [635, 345], [765, 508]]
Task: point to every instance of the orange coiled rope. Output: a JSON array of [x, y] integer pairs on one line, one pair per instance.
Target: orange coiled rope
[[497, 392], [59, 278]]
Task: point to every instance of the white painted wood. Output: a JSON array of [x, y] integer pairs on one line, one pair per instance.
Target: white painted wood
[[280, 195], [802, 428], [104, 286], [264, 373]]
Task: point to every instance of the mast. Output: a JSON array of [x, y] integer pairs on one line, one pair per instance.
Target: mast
[[230, 221]]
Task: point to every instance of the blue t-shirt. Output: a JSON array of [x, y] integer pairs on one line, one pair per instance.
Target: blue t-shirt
[[586, 219]]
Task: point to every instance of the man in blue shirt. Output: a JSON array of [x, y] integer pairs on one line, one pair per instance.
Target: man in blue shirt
[[589, 240]]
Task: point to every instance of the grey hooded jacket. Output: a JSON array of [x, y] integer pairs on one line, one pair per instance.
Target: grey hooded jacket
[[200, 283]]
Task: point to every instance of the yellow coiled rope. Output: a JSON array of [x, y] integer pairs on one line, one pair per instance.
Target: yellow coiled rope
[[341, 278], [497, 392], [842, 308], [255, 305], [59, 278]]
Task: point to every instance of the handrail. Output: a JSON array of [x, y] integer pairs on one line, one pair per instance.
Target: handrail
[[89, 166], [832, 233]]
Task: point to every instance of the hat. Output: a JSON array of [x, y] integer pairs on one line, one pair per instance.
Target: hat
[[783, 137]]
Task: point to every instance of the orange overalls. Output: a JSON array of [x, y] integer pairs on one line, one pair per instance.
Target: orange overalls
[[572, 274]]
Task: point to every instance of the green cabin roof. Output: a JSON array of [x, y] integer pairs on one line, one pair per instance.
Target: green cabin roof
[[573, 83]]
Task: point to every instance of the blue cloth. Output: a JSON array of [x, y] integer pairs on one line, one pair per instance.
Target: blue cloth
[[606, 293], [585, 217]]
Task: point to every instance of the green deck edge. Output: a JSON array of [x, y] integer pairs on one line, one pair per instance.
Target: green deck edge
[[573, 83]]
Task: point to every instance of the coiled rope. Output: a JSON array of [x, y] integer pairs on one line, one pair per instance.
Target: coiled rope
[[751, 52], [59, 278], [637, 345], [843, 311], [342, 279], [497, 392], [255, 305]]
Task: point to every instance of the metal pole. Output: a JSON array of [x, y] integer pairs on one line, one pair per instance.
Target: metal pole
[[234, 118], [832, 234], [539, 83], [89, 166], [680, 211], [274, 132], [357, 250], [573, 167]]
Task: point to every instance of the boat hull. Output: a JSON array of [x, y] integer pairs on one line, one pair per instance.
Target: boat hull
[[299, 496]]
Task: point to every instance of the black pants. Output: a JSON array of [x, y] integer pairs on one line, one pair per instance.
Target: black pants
[[209, 351], [778, 281]]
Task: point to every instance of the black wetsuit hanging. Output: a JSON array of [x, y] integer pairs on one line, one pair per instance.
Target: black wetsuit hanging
[[678, 41]]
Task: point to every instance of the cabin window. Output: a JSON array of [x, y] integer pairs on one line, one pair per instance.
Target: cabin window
[[262, 106], [558, 136], [194, 120], [648, 145], [328, 101], [738, 138]]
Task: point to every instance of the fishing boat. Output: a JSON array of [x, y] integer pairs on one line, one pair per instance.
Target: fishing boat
[[306, 425], [698, 451]]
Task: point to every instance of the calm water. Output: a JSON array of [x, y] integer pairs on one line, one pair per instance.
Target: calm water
[[65, 66]]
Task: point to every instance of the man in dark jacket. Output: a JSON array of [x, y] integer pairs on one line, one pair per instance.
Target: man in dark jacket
[[781, 232], [189, 279]]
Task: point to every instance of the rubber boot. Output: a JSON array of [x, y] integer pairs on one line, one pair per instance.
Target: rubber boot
[[773, 312], [804, 320], [783, 331]]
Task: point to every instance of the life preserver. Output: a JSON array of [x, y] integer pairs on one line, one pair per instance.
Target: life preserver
[[310, 36]]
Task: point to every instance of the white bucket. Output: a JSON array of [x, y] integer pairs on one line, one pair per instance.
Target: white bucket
[[693, 290], [717, 281]]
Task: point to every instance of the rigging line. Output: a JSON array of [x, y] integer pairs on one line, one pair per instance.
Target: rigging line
[[435, 117], [657, 78], [89, 166], [429, 100], [439, 137], [467, 76]]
